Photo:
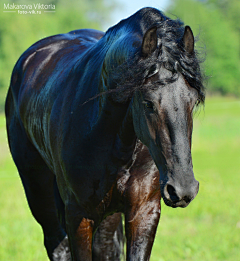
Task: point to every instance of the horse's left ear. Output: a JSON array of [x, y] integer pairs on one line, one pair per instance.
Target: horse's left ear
[[188, 40], [149, 44]]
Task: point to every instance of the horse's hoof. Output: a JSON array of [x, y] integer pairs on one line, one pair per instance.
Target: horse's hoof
[[62, 251]]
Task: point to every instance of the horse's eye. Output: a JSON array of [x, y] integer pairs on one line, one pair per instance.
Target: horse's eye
[[197, 102], [153, 70], [149, 105]]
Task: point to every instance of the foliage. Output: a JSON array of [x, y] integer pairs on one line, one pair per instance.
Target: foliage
[[19, 31], [230, 9], [219, 36], [208, 229]]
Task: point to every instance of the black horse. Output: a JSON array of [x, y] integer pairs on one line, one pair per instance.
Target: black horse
[[101, 123]]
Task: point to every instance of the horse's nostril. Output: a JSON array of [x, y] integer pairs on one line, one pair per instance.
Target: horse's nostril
[[187, 199], [172, 193]]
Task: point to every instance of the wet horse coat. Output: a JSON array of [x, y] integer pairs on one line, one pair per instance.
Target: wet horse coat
[[102, 123]]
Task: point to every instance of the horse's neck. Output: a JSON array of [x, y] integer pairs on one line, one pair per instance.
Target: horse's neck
[[113, 128], [125, 141], [105, 130], [113, 132]]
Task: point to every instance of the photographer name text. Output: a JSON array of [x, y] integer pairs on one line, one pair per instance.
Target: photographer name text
[[29, 8]]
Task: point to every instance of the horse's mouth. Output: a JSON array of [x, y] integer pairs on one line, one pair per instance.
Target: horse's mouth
[[181, 203]]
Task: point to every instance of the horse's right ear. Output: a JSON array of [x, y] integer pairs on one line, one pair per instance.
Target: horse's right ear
[[188, 40], [149, 44]]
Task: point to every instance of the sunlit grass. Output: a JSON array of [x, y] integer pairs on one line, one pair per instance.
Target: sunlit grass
[[208, 229], [21, 237]]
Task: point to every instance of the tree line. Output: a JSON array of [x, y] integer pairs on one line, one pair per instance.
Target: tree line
[[216, 22]]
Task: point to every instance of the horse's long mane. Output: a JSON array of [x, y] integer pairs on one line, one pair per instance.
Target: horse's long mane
[[124, 68], [128, 70]]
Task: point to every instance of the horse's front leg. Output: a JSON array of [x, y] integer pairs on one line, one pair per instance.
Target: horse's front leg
[[80, 231], [108, 240], [141, 220]]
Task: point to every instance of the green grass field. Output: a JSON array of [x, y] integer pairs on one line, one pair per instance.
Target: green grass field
[[208, 229]]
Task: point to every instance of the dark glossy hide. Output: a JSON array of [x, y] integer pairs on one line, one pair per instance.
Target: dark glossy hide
[[108, 243], [101, 124]]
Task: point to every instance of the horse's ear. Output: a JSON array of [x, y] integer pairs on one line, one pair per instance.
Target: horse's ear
[[188, 40], [149, 44]]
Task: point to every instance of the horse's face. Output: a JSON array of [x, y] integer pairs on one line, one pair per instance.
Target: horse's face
[[163, 121]]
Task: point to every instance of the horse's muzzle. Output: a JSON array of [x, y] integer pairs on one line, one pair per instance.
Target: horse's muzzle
[[177, 196]]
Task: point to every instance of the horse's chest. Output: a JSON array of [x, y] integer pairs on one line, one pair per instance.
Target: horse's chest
[[91, 175]]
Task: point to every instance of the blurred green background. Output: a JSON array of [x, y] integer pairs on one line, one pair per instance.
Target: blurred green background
[[209, 228]]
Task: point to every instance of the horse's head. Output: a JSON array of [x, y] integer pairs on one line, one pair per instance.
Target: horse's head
[[162, 117]]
